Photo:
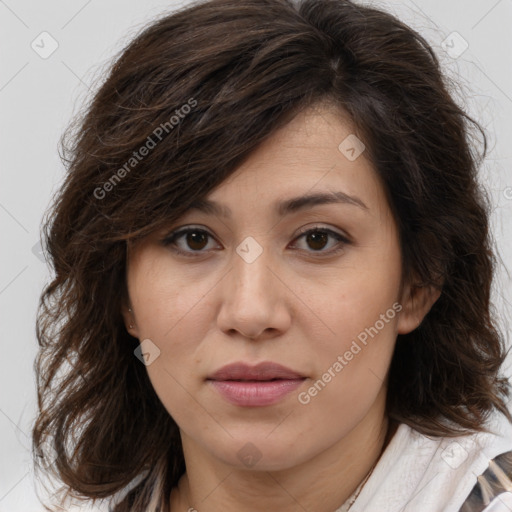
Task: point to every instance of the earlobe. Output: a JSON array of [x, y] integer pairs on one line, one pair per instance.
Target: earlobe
[[129, 321], [416, 303]]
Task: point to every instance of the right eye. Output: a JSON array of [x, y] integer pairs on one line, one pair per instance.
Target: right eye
[[194, 238]]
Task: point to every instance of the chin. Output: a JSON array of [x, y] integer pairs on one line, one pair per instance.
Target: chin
[[259, 453]]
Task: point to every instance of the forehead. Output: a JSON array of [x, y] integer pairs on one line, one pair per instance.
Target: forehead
[[305, 163]]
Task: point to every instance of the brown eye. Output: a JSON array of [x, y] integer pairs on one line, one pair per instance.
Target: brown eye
[[318, 238], [193, 242], [196, 240], [188, 241]]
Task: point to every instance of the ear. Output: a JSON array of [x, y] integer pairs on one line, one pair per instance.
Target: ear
[[416, 302], [129, 320]]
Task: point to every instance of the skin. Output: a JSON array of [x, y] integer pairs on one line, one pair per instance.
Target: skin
[[294, 304]]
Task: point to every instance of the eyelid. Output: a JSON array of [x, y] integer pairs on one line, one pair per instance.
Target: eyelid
[[321, 227], [178, 232], [301, 231]]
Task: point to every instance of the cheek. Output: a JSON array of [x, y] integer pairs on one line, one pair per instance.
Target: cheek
[[352, 366], [363, 297], [167, 319], [360, 308], [356, 358], [167, 300], [171, 311]]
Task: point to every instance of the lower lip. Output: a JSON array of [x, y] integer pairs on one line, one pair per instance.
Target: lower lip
[[255, 393]]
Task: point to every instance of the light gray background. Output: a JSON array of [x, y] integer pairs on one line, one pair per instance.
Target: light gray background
[[39, 95]]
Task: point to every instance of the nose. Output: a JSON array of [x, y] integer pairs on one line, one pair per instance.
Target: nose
[[253, 300]]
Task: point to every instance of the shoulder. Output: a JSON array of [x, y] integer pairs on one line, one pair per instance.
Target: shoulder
[[493, 490]]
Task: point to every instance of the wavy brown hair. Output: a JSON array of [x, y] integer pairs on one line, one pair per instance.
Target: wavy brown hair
[[208, 84]]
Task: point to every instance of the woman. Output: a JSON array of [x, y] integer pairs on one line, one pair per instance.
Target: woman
[[272, 275]]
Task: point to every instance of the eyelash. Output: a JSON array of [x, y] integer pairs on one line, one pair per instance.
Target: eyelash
[[171, 238]]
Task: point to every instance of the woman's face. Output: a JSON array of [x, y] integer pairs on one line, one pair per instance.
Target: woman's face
[[247, 286]]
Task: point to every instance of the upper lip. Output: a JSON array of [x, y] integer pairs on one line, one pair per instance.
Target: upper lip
[[261, 371]]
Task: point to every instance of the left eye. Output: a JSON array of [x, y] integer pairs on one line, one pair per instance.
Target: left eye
[[317, 239], [197, 239]]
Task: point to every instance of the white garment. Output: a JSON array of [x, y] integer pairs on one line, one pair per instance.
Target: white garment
[[417, 473]]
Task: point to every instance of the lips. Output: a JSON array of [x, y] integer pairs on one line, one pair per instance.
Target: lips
[[261, 372], [255, 386]]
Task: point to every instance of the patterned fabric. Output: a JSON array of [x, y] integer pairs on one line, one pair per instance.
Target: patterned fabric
[[493, 490]]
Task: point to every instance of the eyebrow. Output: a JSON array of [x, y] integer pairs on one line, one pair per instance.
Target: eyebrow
[[285, 207]]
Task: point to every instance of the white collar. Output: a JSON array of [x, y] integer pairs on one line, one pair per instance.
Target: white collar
[[417, 473]]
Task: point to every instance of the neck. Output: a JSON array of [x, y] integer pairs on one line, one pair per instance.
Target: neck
[[322, 484]]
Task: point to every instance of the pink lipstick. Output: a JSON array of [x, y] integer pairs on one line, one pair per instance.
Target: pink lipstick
[[255, 386]]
